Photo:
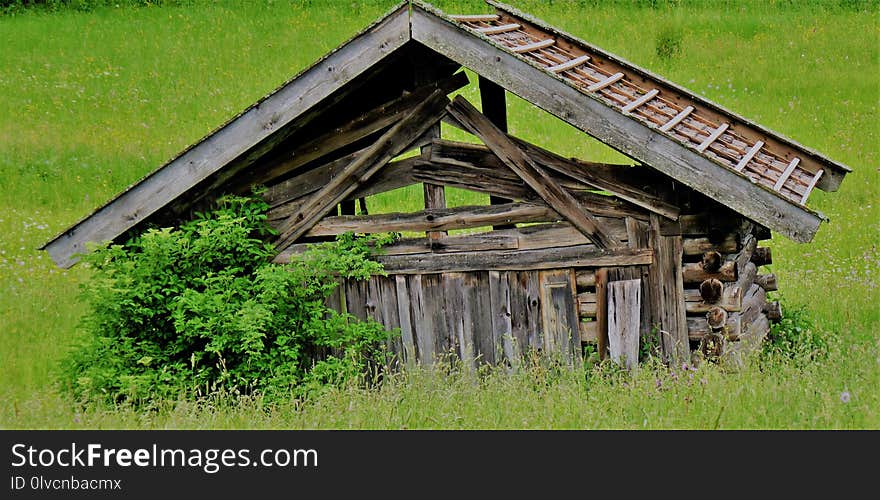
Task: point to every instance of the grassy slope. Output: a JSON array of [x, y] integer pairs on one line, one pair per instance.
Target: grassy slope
[[93, 101]]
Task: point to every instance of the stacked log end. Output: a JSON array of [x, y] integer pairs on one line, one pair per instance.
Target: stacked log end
[[725, 289]]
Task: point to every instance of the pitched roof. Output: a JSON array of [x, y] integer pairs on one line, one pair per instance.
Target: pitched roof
[[757, 172]]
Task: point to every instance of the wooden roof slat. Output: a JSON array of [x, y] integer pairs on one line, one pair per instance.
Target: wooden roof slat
[[497, 30], [749, 155], [541, 44], [810, 186], [577, 61], [713, 137], [641, 100], [677, 119], [785, 175], [606, 82], [474, 18]]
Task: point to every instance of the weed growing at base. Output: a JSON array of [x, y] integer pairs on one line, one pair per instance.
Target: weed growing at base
[[201, 309]]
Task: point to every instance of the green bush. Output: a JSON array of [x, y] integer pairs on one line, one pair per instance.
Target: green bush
[[795, 336], [201, 309]]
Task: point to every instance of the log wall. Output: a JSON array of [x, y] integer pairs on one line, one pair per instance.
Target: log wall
[[719, 262]]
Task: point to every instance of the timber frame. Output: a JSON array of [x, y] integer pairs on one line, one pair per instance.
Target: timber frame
[[663, 251]]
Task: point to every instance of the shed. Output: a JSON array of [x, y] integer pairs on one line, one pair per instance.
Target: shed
[[662, 252]]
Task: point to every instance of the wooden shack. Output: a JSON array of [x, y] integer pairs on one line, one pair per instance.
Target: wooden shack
[[664, 252]]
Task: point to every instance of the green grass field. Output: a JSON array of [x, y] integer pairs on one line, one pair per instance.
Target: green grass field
[[92, 101]]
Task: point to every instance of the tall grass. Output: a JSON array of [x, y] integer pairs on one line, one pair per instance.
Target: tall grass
[[93, 99]]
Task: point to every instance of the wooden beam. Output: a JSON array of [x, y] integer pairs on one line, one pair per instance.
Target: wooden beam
[[694, 272], [494, 103], [666, 278], [497, 30], [762, 256], [640, 101], [435, 199], [474, 18], [601, 177], [754, 302], [514, 260], [630, 137], [435, 219], [730, 300], [505, 183], [529, 47], [235, 138], [589, 332], [712, 137], [606, 82], [424, 72], [585, 279], [369, 123], [602, 312], [396, 174], [744, 161], [531, 237], [767, 281], [359, 171], [666, 127], [786, 174], [773, 311], [570, 64], [544, 185], [810, 186], [701, 245], [698, 328]]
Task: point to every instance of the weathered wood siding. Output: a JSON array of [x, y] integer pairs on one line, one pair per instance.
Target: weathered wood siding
[[490, 317]]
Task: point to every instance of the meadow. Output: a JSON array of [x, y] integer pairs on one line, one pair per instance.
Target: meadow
[[92, 99]]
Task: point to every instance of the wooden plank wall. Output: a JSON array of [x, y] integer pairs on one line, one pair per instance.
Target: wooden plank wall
[[493, 317]]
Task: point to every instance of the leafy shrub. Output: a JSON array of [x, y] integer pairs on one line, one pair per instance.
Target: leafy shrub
[[795, 336], [201, 309]]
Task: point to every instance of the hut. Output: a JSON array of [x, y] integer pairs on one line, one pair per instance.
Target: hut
[[664, 252]]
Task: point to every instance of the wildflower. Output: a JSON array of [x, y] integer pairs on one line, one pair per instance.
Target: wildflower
[[658, 383], [844, 397], [703, 381]]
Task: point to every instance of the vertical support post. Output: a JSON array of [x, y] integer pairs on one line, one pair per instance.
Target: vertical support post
[[434, 194], [602, 312], [665, 275], [494, 103]]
